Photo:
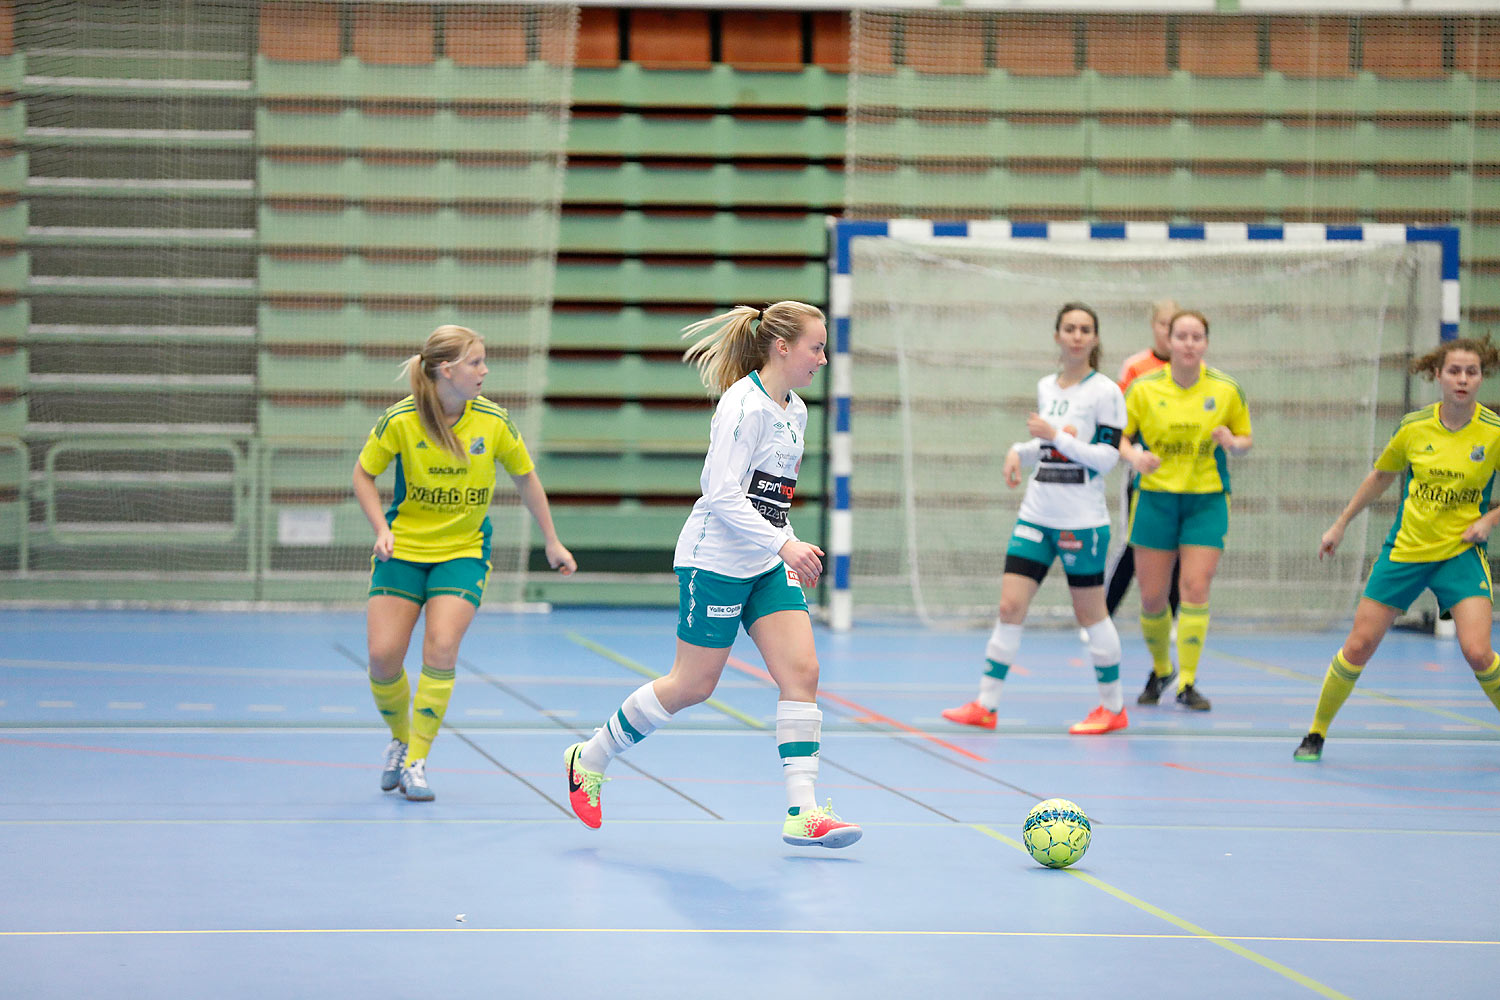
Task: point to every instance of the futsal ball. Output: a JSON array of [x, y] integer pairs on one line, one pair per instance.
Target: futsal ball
[[1056, 833]]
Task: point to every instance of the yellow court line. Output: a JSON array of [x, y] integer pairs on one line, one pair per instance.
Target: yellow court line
[[1389, 699], [1091, 935], [646, 671], [1192, 928]]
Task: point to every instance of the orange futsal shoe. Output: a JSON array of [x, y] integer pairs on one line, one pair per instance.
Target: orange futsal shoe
[[972, 714], [818, 828], [1100, 720]]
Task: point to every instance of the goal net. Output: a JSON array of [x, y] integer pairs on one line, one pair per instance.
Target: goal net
[[947, 337]]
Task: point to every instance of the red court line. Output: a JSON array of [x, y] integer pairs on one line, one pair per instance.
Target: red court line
[[869, 714]]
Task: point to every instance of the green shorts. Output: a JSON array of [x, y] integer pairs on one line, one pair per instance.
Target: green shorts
[[710, 607], [1397, 584], [1083, 552], [420, 581], [1169, 521]]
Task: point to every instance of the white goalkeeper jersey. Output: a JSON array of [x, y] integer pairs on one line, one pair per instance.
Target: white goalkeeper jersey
[[738, 526], [1066, 490]]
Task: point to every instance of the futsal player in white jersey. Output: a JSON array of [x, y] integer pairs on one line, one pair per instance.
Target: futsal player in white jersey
[[739, 562], [1064, 516]]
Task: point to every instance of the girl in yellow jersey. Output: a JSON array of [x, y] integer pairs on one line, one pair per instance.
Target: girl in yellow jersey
[[1187, 419], [432, 546], [1452, 450]]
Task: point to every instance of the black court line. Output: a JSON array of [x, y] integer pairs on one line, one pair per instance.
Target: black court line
[[566, 811], [500, 685]]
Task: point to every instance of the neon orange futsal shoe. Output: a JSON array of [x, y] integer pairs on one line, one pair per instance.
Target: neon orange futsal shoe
[[1100, 720], [583, 788], [972, 714]]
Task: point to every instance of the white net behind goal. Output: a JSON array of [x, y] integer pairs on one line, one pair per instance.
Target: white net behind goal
[[951, 334]]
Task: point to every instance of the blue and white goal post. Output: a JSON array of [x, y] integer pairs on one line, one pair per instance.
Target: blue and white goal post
[[1422, 296]]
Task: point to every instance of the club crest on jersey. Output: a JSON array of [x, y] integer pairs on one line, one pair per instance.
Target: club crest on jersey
[[1209, 403], [1068, 540], [476, 446], [1477, 455]]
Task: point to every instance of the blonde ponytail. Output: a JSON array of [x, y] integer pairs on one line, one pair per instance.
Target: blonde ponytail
[[445, 346], [731, 345]]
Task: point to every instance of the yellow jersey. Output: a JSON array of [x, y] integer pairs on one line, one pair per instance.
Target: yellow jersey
[[1448, 483], [1177, 424], [441, 508]]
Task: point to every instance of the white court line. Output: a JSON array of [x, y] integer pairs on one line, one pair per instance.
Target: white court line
[[127, 705], [195, 706], [337, 709], [55, 704], [561, 713], [484, 711], [267, 708]]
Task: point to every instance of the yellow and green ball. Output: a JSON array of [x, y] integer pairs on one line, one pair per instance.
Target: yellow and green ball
[[1056, 833]]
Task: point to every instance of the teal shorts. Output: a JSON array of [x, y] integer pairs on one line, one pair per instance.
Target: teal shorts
[[1083, 551], [710, 607], [1397, 584], [1169, 521], [420, 581]]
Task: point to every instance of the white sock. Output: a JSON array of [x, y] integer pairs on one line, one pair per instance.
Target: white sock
[[799, 730], [638, 717], [1104, 650], [999, 653]]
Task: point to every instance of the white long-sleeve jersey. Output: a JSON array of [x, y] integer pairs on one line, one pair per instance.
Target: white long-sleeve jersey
[[1066, 490], [738, 526]]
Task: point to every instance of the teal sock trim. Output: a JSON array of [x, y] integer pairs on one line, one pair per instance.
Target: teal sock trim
[[997, 670], [1107, 675], [786, 750]]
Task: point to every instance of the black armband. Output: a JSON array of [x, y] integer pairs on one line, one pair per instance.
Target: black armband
[[1107, 435]]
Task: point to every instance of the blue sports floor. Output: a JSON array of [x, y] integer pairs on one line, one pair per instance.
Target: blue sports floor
[[190, 809]]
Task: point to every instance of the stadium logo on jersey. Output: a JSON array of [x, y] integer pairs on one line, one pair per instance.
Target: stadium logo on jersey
[[1477, 455], [724, 610], [476, 446], [1210, 403]]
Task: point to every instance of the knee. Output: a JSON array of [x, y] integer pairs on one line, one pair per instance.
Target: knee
[[439, 652], [1479, 654], [1012, 611], [1194, 591], [803, 669], [1358, 649], [687, 691]]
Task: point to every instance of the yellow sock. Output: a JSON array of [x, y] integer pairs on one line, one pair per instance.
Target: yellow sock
[[1157, 631], [434, 688], [393, 698], [1337, 685], [1192, 632], [1489, 680]]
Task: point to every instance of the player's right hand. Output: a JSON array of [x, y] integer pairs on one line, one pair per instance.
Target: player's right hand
[[385, 544]]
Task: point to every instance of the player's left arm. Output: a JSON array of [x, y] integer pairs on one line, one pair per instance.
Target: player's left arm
[[534, 499], [1103, 452], [1233, 435]]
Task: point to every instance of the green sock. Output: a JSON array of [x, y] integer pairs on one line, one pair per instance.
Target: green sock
[[1489, 680], [1192, 630], [1157, 631], [393, 698], [434, 688], [1337, 685]]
